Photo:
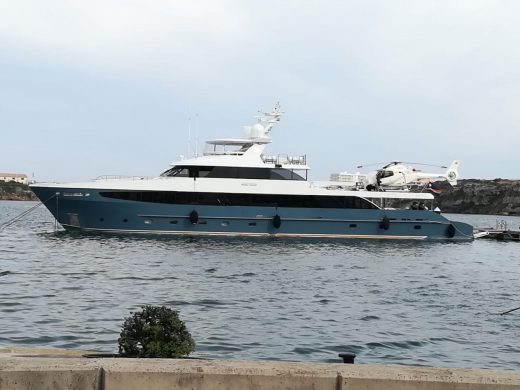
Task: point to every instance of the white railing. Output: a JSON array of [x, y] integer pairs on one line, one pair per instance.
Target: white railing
[[120, 177], [282, 159]]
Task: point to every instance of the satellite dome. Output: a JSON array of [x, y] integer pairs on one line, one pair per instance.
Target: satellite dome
[[257, 131]]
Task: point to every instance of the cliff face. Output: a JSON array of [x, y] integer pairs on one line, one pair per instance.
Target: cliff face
[[15, 191], [472, 196]]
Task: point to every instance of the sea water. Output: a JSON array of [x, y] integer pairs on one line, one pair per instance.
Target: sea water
[[389, 302]]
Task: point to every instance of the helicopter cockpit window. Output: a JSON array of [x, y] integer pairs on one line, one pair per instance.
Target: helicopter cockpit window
[[387, 174]]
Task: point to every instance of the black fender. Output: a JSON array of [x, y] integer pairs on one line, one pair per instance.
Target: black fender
[[194, 217], [450, 231], [384, 223], [277, 221]]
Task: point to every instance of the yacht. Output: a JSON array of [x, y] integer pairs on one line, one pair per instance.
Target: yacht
[[236, 189]]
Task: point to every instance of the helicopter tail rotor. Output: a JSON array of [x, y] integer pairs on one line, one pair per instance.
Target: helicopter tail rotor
[[452, 174]]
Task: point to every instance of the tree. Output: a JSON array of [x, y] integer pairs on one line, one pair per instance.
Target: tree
[[155, 332]]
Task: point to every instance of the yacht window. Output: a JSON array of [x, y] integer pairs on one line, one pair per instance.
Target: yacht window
[[253, 173], [241, 199], [176, 171], [182, 172], [224, 172], [232, 173], [284, 174], [245, 147], [204, 171], [229, 149]]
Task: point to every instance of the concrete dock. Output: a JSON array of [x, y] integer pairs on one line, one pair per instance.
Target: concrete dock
[[50, 369], [498, 234]]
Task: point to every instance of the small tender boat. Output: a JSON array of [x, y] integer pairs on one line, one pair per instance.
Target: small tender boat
[[235, 189]]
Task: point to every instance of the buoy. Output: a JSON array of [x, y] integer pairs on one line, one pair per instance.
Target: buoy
[[385, 223], [450, 231], [194, 217], [277, 221]]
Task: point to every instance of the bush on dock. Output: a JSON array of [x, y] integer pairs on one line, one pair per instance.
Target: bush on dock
[[155, 332]]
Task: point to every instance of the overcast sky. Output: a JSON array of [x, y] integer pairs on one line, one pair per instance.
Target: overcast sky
[[108, 86]]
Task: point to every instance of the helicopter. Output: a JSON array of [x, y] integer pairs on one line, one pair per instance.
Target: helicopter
[[399, 175]]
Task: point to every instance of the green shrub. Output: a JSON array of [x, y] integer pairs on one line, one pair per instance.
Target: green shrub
[[155, 332]]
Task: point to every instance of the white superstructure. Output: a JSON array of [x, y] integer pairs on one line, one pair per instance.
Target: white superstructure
[[241, 153]]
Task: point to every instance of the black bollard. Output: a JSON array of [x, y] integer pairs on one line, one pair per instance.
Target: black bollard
[[348, 358]]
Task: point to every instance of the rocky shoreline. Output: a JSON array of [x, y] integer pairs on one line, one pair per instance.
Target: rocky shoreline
[[16, 191], [470, 196], [475, 196]]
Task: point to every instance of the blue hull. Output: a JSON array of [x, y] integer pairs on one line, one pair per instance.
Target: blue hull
[[73, 209]]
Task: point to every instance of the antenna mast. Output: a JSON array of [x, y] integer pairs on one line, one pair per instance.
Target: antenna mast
[[269, 119], [196, 135], [189, 137]]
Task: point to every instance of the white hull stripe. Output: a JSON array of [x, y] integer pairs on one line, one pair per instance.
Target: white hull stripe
[[243, 234]]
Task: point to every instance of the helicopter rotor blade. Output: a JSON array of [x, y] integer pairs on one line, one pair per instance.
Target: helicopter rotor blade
[[371, 164], [390, 163], [426, 165]]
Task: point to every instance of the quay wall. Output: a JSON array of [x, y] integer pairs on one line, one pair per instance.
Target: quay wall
[[47, 371]]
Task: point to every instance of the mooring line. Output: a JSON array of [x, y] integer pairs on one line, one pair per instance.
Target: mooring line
[[23, 214], [509, 311]]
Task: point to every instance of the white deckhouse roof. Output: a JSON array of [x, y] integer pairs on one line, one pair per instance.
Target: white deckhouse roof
[[247, 152]]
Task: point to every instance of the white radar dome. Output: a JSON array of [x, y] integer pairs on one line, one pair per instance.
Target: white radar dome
[[257, 131]]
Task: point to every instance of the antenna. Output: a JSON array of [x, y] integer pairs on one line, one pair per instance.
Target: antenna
[[196, 135], [193, 150], [189, 137]]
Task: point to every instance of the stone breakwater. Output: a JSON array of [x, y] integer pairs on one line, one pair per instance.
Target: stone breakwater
[[474, 196], [60, 369]]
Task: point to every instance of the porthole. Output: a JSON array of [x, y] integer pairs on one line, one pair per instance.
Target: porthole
[[353, 225], [203, 222], [224, 223], [174, 222], [101, 219], [147, 221], [125, 220], [417, 227], [252, 223]]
